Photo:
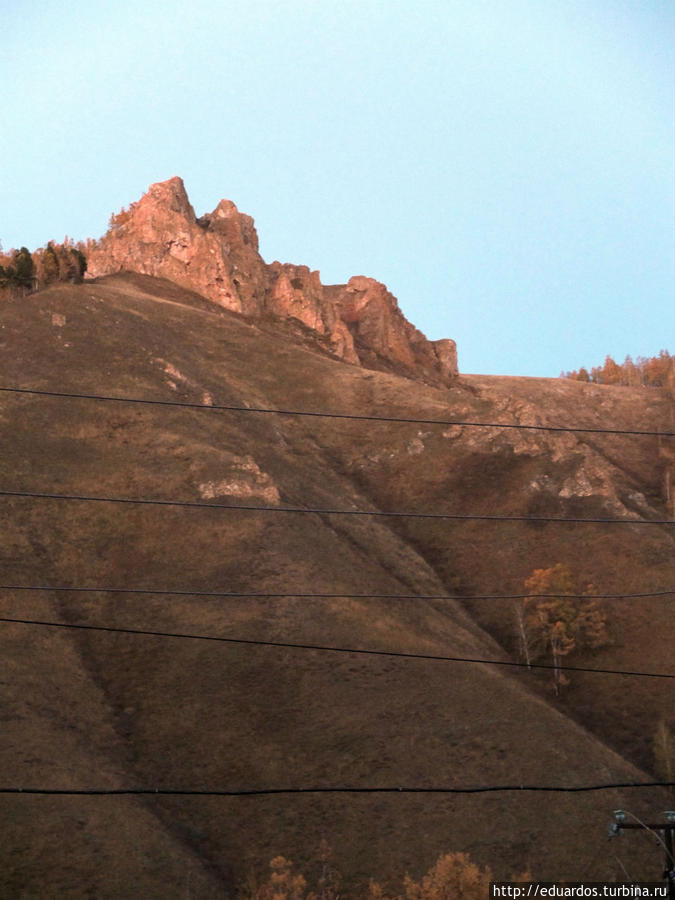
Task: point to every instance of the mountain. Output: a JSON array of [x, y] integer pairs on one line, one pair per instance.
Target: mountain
[[217, 256], [94, 709]]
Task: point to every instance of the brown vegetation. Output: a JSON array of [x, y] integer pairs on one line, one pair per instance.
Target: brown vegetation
[[23, 272], [654, 371], [122, 217], [452, 877]]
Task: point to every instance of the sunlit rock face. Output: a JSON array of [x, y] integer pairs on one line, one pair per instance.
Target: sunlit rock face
[[217, 256]]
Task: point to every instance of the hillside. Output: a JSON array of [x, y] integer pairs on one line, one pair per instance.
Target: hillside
[[86, 709]]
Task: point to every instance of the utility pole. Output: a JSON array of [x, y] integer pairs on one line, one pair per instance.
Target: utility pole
[[665, 830]]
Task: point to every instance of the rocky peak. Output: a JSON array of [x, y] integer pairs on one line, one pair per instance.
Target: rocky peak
[[236, 228], [168, 196], [217, 256]]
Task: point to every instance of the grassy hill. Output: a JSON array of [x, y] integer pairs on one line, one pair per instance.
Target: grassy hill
[[87, 709]]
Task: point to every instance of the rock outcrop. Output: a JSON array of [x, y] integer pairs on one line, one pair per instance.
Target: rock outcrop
[[217, 256]]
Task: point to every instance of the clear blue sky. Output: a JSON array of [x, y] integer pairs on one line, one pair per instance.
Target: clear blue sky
[[506, 167]]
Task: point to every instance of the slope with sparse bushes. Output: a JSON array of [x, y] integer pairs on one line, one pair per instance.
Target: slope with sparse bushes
[[98, 710]]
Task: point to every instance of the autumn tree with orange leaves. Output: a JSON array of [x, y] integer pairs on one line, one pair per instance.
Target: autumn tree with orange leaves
[[454, 876], [654, 371], [555, 619]]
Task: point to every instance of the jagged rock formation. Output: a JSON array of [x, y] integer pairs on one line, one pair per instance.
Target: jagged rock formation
[[217, 256]]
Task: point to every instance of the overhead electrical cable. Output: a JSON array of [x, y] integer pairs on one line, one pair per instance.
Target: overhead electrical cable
[[262, 792], [331, 415], [310, 595], [288, 645], [306, 510]]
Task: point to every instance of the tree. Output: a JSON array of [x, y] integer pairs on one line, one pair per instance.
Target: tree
[[283, 883], [20, 273], [611, 372], [48, 266], [525, 637], [328, 881], [631, 374], [453, 877], [551, 621], [656, 371], [80, 262], [121, 218], [23, 265], [664, 751], [60, 262], [68, 268]]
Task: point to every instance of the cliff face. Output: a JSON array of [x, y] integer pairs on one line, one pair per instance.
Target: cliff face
[[217, 256]]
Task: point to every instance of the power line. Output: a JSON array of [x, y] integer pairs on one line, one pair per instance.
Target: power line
[[326, 415], [260, 792], [328, 649], [311, 595], [195, 504]]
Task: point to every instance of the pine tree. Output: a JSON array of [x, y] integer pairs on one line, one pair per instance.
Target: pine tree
[[23, 266], [80, 262]]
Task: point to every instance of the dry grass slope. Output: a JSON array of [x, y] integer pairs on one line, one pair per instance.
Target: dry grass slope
[[91, 710]]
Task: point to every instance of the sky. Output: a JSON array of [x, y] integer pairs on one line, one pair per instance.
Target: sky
[[505, 167]]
